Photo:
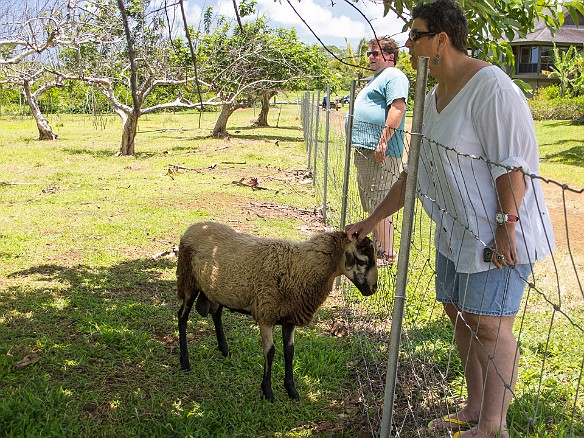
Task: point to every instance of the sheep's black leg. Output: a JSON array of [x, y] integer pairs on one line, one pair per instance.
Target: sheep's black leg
[[221, 341], [267, 334], [288, 339], [183, 317]]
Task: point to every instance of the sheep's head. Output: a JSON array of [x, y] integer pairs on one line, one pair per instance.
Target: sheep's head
[[361, 265]]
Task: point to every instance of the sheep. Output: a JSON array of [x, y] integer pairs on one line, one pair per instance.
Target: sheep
[[276, 281]]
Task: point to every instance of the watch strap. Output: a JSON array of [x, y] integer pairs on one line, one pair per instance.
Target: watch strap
[[502, 218]]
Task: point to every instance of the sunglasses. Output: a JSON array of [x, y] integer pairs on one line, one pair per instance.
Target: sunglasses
[[416, 34], [375, 53]]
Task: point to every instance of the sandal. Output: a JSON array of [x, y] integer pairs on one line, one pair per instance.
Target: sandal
[[449, 422], [457, 434]]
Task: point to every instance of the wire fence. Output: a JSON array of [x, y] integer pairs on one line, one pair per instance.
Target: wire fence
[[548, 399]]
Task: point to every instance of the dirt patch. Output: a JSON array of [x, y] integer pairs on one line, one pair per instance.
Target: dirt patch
[[310, 219], [566, 210]]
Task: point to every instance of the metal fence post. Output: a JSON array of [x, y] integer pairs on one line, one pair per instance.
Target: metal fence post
[[310, 127], [326, 146], [315, 151], [404, 250], [347, 157], [305, 107]]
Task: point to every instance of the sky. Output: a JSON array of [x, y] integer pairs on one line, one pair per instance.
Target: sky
[[331, 23]]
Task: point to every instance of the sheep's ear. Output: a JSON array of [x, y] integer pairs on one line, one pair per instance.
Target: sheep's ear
[[349, 260]]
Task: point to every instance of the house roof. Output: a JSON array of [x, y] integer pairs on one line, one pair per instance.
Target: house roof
[[569, 33]]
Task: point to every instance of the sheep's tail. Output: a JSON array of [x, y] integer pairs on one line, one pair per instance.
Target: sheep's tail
[[185, 281]]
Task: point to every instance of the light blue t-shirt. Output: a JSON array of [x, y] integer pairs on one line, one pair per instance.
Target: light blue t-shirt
[[371, 108]]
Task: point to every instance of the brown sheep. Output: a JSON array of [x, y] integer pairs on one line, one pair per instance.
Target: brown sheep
[[276, 281]]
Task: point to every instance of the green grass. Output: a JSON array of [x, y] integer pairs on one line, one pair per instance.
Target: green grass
[[82, 297], [561, 151], [81, 294]]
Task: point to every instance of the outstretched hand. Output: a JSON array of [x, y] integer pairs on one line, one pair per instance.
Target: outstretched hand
[[360, 230]]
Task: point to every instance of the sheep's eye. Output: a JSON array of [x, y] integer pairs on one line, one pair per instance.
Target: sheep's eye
[[361, 262]]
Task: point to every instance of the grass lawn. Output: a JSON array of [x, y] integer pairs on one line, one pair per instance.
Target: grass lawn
[[88, 332], [88, 336], [561, 147]]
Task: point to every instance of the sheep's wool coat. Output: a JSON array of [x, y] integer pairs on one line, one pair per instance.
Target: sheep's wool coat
[[275, 280]]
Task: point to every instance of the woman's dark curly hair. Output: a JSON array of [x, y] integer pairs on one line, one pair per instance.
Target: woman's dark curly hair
[[445, 16]]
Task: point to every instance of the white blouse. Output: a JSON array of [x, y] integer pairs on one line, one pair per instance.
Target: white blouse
[[483, 132]]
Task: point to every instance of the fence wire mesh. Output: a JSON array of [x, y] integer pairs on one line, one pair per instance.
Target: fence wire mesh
[[548, 400]]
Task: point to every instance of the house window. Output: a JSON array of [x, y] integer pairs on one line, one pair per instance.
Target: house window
[[547, 58], [528, 59]]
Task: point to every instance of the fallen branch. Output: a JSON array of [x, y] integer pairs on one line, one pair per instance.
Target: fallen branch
[[12, 183], [252, 183], [166, 254], [181, 167]]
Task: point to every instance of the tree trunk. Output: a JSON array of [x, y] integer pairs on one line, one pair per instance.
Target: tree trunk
[[45, 131], [220, 129], [263, 117], [129, 135]]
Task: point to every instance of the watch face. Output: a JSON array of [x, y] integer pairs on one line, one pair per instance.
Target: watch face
[[500, 218]]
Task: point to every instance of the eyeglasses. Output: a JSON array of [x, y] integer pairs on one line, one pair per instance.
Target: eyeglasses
[[416, 34], [375, 53]]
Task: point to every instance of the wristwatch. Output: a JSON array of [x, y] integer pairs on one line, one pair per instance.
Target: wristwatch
[[501, 218]]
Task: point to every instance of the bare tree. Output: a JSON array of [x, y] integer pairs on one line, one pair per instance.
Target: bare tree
[[31, 33], [27, 76], [253, 63], [28, 29], [128, 53]]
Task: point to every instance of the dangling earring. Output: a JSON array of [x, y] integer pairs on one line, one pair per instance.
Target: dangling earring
[[436, 59]]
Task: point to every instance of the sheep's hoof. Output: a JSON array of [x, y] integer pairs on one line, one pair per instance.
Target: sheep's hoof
[[268, 395], [292, 393]]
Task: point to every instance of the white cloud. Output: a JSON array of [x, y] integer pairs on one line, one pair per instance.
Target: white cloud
[[332, 24]]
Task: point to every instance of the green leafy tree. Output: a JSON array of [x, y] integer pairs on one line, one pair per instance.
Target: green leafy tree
[[568, 68], [493, 22], [578, 82], [240, 65], [292, 66]]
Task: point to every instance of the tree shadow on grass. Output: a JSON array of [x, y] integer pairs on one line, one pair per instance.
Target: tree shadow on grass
[[252, 128], [91, 152], [573, 156], [117, 296], [107, 359], [557, 123]]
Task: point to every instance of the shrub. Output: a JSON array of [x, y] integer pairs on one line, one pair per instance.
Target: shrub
[[547, 93], [557, 108]]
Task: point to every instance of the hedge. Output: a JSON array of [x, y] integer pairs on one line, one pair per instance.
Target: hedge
[[558, 108]]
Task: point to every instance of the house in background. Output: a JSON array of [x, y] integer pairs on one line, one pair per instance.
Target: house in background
[[535, 53]]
